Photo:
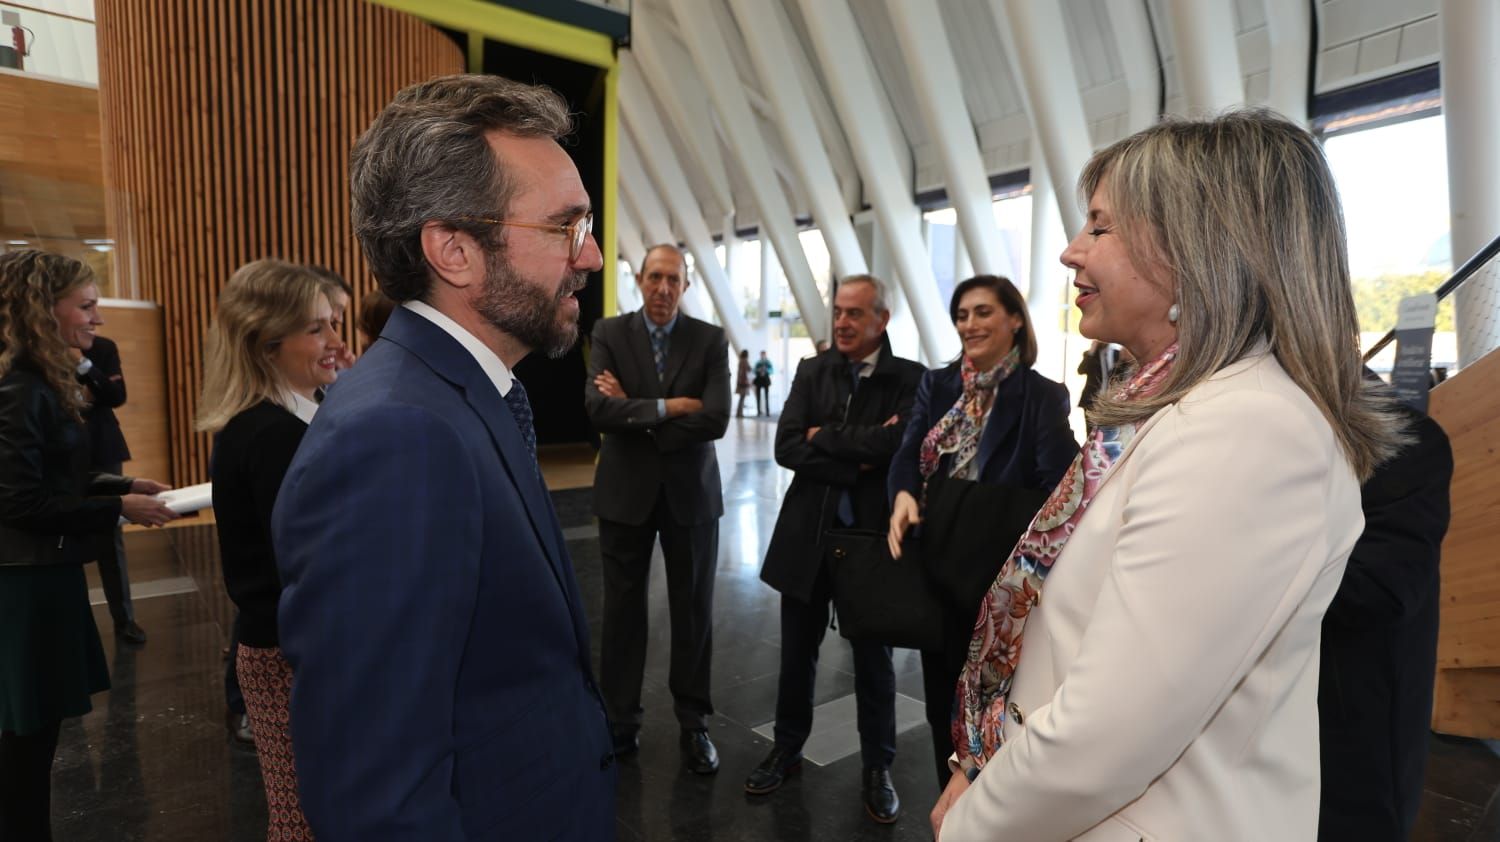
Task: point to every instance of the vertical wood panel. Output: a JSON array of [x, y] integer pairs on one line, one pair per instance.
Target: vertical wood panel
[[236, 147]]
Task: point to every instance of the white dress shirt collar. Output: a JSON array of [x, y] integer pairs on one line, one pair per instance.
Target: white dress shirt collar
[[298, 405], [488, 360]]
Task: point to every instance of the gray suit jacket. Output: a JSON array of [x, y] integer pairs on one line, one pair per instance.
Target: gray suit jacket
[[643, 453]]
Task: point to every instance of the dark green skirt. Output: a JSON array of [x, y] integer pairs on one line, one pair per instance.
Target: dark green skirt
[[51, 659]]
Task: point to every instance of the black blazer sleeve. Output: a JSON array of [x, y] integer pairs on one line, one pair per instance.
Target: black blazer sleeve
[[30, 499], [105, 381], [793, 451], [607, 345], [868, 444], [1055, 446], [905, 474], [709, 423], [1393, 570]]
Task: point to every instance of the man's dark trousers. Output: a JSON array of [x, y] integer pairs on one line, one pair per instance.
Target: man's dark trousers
[[690, 553]]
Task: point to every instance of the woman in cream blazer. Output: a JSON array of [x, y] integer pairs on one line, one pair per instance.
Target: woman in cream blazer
[[1165, 686]]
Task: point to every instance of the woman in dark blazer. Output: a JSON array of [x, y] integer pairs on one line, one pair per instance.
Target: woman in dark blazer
[[271, 348], [51, 659], [985, 418]]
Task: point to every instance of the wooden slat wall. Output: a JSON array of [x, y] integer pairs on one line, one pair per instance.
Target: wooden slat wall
[[227, 129], [1467, 697]]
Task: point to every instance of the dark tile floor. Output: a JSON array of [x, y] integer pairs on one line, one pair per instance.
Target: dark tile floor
[[152, 763]]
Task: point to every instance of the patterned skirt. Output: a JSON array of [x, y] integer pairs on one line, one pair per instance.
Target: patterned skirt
[[266, 681]]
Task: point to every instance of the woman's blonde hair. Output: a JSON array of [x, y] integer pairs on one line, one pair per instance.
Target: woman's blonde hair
[[31, 284], [264, 302], [1241, 216]]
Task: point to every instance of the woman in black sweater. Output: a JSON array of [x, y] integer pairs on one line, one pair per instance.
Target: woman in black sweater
[[271, 348], [51, 659]]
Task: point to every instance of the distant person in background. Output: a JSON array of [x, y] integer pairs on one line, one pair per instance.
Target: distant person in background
[[763, 372], [374, 310], [1098, 361], [271, 347], [1380, 647], [339, 295], [51, 659], [742, 383], [99, 372]]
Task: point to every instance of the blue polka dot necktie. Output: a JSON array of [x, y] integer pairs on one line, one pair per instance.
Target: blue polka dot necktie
[[520, 409], [659, 351]]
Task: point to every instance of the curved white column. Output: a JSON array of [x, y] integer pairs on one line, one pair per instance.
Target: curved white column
[[1470, 39], [645, 125], [775, 64], [1208, 59], [777, 221], [928, 55], [858, 97], [1041, 59]]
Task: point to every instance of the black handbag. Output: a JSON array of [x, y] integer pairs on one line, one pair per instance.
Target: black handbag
[[878, 598], [968, 531]]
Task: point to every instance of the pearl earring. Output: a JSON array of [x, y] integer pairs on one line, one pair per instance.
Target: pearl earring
[[1174, 313]]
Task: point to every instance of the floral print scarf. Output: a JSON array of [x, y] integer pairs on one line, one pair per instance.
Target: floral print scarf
[[995, 649], [958, 431]]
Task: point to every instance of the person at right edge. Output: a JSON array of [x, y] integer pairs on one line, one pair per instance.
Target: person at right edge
[[1145, 665], [1380, 648], [840, 426]]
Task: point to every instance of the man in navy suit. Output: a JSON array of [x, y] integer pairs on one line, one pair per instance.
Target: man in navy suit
[[430, 612]]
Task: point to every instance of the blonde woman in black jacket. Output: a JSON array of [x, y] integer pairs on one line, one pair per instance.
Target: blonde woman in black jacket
[[51, 659]]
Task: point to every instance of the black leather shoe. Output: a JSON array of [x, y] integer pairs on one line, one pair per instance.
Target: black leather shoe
[[626, 743], [879, 794], [239, 728], [772, 772], [131, 633], [698, 752]]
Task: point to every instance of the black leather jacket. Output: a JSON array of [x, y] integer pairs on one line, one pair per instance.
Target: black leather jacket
[[49, 500]]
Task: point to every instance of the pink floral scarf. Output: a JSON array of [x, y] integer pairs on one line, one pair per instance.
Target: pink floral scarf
[[958, 431], [995, 648]]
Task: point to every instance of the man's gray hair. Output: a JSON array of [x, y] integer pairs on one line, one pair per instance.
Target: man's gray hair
[[426, 157], [879, 285]]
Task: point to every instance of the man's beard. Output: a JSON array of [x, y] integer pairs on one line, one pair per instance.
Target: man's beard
[[524, 311]]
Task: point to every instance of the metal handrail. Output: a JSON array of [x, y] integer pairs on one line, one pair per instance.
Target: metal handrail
[[1480, 258]]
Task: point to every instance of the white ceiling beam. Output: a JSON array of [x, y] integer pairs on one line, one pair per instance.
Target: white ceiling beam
[[1143, 80], [1208, 57], [1290, 30], [670, 77], [858, 97], [645, 124], [1036, 41], [934, 74], [633, 250], [792, 113], [646, 205], [777, 221]]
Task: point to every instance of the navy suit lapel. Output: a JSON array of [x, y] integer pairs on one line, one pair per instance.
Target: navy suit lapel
[[452, 361]]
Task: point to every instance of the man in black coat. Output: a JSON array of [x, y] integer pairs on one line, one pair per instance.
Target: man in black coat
[[1380, 648], [658, 393], [839, 428], [99, 371]]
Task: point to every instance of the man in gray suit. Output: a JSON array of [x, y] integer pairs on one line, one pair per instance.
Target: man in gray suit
[[658, 393]]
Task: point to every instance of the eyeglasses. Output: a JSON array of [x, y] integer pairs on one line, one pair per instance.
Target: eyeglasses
[[578, 231]]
